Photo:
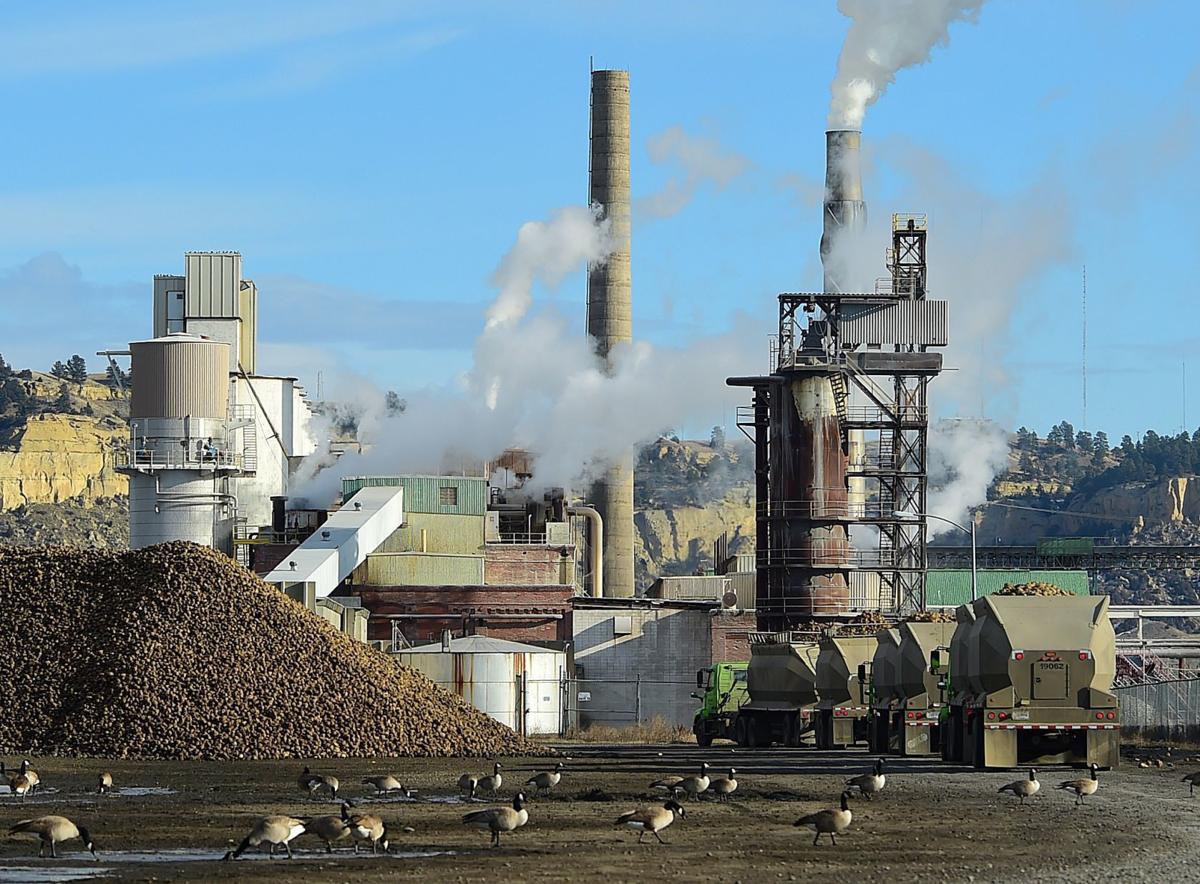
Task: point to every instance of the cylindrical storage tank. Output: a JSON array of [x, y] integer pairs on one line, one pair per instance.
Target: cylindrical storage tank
[[917, 640], [180, 376], [884, 667], [179, 505], [837, 668]]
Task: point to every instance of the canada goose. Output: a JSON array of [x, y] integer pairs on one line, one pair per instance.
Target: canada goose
[[19, 786], [329, 829], [383, 784], [1191, 779], [305, 780], [27, 771], [651, 819], [723, 787], [1083, 786], [1024, 788], [325, 781], [693, 786], [869, 783], [668, 784], [366, 827], [831, 820], [53, 830], [104, 783], [492, 783], [467, 784], [546, 780], [499, 819], [273, 831]]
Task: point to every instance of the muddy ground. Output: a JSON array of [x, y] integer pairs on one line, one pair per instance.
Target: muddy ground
[[172, 821]]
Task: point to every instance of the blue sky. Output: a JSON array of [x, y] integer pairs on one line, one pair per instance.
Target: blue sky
[[374, 160]]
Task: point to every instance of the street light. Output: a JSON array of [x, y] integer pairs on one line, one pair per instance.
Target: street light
[[902, 514]]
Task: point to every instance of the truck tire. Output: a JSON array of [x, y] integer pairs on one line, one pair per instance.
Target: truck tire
[[703, 737], [739, 731]]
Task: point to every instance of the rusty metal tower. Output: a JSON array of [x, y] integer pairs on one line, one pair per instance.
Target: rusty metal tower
[[840, 427]]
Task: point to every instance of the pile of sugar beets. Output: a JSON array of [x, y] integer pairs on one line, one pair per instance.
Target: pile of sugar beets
[[175, 651]]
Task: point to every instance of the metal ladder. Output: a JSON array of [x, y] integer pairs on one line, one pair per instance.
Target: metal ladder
[[250, 448]]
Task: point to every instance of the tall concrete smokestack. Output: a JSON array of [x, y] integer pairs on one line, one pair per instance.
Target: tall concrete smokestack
[[609, 308], [844, 206]]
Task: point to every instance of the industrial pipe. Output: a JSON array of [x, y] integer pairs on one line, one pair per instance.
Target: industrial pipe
[[844, 209], [595, 547]]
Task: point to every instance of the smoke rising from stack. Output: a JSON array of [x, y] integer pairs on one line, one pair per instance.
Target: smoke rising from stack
[[885, 37]]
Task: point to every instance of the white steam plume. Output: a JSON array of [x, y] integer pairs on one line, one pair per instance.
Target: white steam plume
[[701, 160], [537, 384], [886, 36], [964, 457]]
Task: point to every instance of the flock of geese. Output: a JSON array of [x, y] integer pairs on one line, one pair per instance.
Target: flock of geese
[[364, 828]]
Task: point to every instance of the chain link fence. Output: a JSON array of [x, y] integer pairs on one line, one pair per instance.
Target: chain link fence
[[1165, 710]]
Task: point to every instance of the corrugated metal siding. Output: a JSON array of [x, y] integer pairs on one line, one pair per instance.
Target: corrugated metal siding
[[708, 587], [248, 311], [462, 535], [180, 378], [162, 285], [742, 583], [953, 587], [904, 322], [422, 494], [214, 280], [415, 569]]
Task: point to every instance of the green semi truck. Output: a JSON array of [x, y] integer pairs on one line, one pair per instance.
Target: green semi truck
[[721, 688]]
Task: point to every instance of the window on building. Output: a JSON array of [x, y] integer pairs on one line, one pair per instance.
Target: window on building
[[448, 495]]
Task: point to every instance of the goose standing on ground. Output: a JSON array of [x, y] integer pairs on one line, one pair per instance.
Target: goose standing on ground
[[723, 787], [52, 830], [104, 783], [27, 771], [325, 781], [668, 784], [467, 784], [383, 784], [869, 783], [1023, 789], [695, 785], [366, 827], [329, 829], [499, 819], [546, 780], [490, 784], [18, 784], [832, 821], [306, 778], [1082, 787], [651, 819], [273, 831], [1192, 779]]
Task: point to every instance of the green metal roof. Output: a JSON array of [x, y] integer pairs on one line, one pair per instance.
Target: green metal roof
[[953, 587]]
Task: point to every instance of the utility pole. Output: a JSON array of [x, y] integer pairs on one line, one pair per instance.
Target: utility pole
[[1085, 421]]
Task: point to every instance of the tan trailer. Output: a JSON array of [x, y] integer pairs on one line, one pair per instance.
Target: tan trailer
[[782, 683], [842, 709], [917, 720], [1039, 673], [957, 690], [884, 692]]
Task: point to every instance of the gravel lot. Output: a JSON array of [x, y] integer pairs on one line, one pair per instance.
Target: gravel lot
[[932, 823]]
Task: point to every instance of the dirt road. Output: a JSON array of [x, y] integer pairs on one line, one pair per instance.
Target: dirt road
[[172, 821]]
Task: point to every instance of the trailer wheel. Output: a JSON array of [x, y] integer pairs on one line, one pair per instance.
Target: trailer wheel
[[795, 728], [739, 731], [703, 737]]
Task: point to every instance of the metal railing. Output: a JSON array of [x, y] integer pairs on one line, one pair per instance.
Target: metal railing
[[840, 556], [519, 537], [186, 458]]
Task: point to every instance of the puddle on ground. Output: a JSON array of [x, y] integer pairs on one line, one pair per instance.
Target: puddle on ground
[[40, 790], [142, 791], [51, 873]]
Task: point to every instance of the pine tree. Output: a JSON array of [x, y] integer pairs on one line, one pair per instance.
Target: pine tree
[[59, 370], [63, 402], [5, 370], [77, 369]]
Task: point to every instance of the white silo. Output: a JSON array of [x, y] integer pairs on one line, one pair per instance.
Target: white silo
[[178, 458]]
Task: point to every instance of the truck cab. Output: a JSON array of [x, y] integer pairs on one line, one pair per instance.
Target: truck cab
[[721, 689]]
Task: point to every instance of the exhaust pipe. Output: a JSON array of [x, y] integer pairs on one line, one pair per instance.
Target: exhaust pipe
[[596, 546], [844, 208]]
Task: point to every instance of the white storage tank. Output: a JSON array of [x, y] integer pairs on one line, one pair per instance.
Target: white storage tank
[[498, 677]]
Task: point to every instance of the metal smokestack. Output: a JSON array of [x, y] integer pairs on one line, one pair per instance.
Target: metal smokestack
[[844, 206], [609, 307]]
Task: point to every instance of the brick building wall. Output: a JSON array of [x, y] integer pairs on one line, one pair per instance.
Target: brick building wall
[[731, 636], [521, 564]]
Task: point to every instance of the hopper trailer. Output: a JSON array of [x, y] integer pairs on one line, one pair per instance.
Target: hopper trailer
[[843, 708], [917, 720], [1034, 677], [781, 684], [883, 694]]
